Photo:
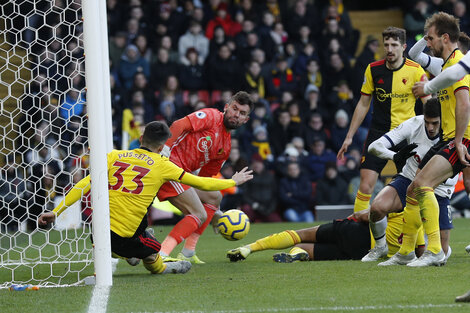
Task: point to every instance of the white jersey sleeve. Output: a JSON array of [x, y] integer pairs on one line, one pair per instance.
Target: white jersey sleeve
[[431, 64], [381, 147], [449, 76]]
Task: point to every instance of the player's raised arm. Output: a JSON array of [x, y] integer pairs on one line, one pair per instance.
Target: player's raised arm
[[214, 184], [431, 64], [359, 114], [75, 194]]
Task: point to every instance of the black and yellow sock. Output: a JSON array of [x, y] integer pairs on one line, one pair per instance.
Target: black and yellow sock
[[156, 266], [430, 216], [362, 201], [411, 225], [282, 240]]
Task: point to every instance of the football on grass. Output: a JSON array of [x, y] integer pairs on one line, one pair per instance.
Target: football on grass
[[234, 225]]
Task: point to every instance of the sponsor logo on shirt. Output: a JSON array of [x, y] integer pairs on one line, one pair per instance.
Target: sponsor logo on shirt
[[203, 145]]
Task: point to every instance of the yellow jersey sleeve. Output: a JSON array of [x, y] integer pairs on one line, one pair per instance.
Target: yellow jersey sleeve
[[75, 194], [368, 84], [170, 171]]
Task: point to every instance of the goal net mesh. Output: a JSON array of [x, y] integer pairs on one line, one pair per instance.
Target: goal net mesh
[[43, 145]]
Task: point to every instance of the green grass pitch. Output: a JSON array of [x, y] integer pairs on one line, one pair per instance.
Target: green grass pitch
[[260, 285]]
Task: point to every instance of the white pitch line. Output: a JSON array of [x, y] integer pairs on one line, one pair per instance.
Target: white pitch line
[[99, 300], [332, 308]]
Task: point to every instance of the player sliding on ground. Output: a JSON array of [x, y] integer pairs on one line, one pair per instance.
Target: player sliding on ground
[[420, 133], [347, 239], [135, 176]]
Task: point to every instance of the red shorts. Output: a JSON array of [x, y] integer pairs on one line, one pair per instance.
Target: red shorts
[[171, 189]]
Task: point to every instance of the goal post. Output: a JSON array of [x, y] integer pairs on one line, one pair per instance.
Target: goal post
[[96, 74], [55, 128]]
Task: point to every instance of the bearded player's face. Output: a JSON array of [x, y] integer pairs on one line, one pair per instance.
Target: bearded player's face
[[393, 50], [236, 114], [434, 42]]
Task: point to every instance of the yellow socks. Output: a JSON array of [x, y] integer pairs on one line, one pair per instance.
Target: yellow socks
[[282, 240], [411, 224], [157, 266], [362, 201], [430, 217]]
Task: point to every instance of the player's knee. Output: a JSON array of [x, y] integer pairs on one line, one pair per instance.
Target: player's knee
[[214, 198], [201, 215], [366, 186], [377, 211]]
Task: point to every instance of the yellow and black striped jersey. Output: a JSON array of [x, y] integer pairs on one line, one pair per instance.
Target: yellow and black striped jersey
[[446, 97], [393, 99]]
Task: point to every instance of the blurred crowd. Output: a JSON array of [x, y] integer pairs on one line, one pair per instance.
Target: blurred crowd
[[298, 59]]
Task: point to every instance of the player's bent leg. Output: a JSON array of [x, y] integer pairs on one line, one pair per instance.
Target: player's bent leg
[[155, 265], [280, 240], [366, 187], [188, 202]]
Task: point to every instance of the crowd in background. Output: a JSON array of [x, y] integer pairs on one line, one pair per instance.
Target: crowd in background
[[296, 58]]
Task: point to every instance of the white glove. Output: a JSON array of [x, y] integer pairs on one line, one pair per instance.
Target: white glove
[[165, 151]]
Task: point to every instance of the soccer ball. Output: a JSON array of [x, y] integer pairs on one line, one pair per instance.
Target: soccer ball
[[234, 225]]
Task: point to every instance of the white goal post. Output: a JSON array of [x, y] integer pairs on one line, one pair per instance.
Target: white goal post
[[55, 127]]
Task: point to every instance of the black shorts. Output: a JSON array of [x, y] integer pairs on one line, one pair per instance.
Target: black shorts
[[138, 246], [370, 161], [342, 240], [450, 153], [432, 152]]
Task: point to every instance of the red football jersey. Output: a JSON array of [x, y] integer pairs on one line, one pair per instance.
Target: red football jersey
[[207, 147]]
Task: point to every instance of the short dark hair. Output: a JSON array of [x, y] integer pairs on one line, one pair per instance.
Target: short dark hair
[[155, 135], [395, 33], [464, 42], [444, 24], [432, 108], [243, 98]]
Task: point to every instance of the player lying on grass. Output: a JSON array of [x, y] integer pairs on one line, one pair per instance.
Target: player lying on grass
[[420, 133], [347, 239], [135, 176]]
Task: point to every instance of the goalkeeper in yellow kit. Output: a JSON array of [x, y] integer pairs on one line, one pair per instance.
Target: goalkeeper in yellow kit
[[134, 178]]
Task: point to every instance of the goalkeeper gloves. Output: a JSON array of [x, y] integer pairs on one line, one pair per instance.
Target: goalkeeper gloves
[[402, 155]]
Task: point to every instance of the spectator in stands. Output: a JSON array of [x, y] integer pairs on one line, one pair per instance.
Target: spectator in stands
[[303, 59], [253, 80], [259, 56], [131, 63], [192, 76], [298, 17], [241, 39], [141, 43], [460, 11], [339, 129], [163, 68], [281, 132], [350, 170], [237, 161], [252, 43], [224, 71], [193, 38], [331, 189], [313, 103], [167, 43], [281, 79], [141, 84], [223, 19], [366, 57], [315, 129], [278, 38], [249, 10], [260, 144], [312, 75], [341, 98], [12, 194], [132, 30], [317, 159], [73, 104], [117, 45], [168, 21], [295, 192], [265, 26], [414, 20], [218, 40], [260, 194], [337, 70], [170, 99]]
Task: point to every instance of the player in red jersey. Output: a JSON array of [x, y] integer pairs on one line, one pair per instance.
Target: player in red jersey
[[200, 141]]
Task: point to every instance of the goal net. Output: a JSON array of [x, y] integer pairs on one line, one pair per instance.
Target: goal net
[[44, 143]]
